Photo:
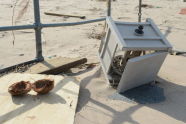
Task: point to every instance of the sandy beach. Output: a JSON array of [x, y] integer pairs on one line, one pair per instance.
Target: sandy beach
[[96, 104], [76, 41]]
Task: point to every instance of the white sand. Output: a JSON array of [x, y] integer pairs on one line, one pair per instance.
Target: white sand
[[74, 41], [94, 105]]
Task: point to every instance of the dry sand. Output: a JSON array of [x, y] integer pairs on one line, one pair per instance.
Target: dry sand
[[77, 41], [98, 103]]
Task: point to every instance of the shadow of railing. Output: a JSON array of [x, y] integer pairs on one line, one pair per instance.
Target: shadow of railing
[[165, 97], [29, 102]]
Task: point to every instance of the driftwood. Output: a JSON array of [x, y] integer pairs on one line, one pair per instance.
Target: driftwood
[[55, 14]]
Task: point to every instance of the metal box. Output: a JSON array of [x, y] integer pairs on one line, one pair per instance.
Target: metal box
[[129, 60]]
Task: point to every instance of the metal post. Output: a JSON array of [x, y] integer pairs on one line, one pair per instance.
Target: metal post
[[38, 26], [20, 27], [71, 23], [109, 7], [139, 14], [38, 30]]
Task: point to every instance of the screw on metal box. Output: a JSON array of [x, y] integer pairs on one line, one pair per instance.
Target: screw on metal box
[[139, 31]]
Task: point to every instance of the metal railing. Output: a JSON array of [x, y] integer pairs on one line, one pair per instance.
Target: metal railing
[[37, 26]]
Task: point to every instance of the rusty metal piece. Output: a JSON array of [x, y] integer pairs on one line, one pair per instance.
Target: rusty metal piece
[[43, 86], [64, 67], [20, 88]]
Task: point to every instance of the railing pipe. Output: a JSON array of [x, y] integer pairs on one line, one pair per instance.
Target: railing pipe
[[38, 30], [72, 23]]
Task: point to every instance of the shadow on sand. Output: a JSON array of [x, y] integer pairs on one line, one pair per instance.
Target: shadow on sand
[[145, 94], [166, 97]]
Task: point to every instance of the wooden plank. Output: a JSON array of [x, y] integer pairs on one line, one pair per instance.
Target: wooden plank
[[56, 65], [126, 58], [57, 107], [128, 55], [55, 14], [135, 54]]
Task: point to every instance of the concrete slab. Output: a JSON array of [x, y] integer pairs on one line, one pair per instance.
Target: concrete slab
[[174, 69], [56, 107], [161, 103]]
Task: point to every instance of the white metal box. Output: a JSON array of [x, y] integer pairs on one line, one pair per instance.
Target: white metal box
[[121, 46]]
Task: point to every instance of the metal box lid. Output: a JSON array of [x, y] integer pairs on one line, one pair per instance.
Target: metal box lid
[[141, 70], [152, 39]]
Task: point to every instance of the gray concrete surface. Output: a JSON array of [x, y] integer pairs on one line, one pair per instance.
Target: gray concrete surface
[[160, 103]]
